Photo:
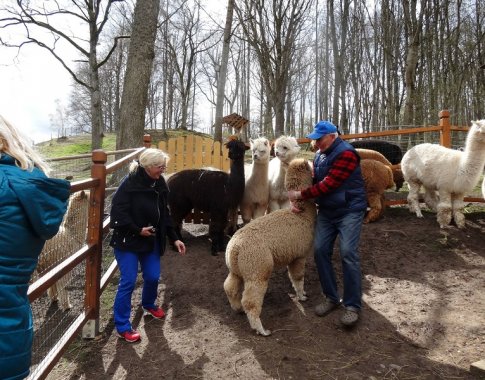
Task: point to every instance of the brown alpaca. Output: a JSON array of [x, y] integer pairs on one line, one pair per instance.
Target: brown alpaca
[[276, 240], [71, 236], [375, 155], [378, 178]]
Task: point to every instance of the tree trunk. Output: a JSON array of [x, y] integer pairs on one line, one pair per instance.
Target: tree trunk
[[221, 83], [138, 72]]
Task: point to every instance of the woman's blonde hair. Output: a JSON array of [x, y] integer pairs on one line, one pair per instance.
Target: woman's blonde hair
[[17, 145], [150, 157]]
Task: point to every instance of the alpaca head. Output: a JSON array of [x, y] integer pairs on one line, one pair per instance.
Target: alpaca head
[[286, 148], [236, 148], [477, 131], [299, 175], [260, 150]]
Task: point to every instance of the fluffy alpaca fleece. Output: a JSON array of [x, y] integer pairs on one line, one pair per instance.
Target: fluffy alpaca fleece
[[378, 178], [483, 188], [286, 149], [213, 191], [71, 236], [375, 155], [447, 175], [276, 240], [255, 198]]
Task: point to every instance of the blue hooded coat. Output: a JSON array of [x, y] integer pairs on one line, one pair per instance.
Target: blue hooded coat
[[32, 207]]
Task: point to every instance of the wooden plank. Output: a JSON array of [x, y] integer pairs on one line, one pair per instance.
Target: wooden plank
[[198, 153], [189, 152], [207, 152], [171, 168]]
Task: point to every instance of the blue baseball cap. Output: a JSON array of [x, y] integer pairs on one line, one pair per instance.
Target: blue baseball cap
[[322, 128]]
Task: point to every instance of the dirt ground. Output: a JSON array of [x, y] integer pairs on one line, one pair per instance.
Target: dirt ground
[[423, 316]]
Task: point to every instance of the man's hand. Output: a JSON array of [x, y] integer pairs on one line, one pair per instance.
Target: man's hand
[[294, 208], [294, 195]]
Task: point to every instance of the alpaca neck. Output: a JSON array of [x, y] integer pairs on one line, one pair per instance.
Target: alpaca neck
[[472, 159]]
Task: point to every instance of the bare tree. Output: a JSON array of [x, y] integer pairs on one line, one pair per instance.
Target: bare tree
[[272, 29], [47, 25]]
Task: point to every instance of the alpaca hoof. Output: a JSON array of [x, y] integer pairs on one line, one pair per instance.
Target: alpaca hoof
[[263, 332], [66, 307]]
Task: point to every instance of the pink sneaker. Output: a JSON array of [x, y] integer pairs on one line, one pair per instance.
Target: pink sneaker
[[156, 312], [130, 336]]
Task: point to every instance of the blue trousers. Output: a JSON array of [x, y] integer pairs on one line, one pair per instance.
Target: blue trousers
[[128, 265], [347, 227]]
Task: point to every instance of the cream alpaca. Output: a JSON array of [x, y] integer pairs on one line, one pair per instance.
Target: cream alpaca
[[70, 238], [286, 149], [255, 198], [447, 175], [276, 240]]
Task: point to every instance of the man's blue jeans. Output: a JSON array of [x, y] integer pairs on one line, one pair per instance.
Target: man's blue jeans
[[347, 227], [128, 266]]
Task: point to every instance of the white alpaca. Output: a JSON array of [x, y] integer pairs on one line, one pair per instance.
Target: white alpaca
[[286, 149], [447, 175], [255, 198]]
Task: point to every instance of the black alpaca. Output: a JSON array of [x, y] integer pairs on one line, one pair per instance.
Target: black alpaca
[[391, 151], [211, 191]]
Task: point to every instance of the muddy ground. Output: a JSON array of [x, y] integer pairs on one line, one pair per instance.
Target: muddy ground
[[423, 315]]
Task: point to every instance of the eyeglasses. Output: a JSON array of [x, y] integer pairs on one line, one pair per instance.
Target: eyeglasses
[[161, 167]]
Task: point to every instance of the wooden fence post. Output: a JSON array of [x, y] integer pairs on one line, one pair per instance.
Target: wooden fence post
[[95, 239], [445, 133]]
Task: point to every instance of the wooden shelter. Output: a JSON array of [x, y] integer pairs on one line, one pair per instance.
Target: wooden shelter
[[236, 122]]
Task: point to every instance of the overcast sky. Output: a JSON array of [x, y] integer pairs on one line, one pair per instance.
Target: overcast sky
[[29, 87]]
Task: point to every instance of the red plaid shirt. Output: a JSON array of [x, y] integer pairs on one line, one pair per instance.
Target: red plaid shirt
[[341, 169]]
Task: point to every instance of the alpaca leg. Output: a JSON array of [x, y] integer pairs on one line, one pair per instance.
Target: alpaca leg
[[296, 273], [444, 209], [217, 227], [62, 294], [259, 211], [457, 206], [252, 302], [233, 286], [383, 205], [53, 293], [375, 204], [246, 213], [431, 199], [273, 205], [232, 217], [413, 198], [285, 204]]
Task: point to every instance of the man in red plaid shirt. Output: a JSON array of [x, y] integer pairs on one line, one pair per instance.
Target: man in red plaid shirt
[[340, 195]]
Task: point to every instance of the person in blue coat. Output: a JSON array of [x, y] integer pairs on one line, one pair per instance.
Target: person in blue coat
[[32, 207]]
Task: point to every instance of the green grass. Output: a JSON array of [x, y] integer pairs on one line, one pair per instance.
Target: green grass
[[74, 145], [71, 146]]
